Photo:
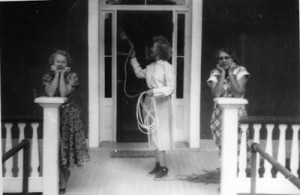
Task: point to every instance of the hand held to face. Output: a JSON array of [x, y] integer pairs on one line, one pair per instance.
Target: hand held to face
[[66, 69], [54, 69], [60, 69], [231, 68], [221, 69]]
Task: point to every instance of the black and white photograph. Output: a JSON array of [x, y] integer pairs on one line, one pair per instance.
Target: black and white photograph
[[150, 97]]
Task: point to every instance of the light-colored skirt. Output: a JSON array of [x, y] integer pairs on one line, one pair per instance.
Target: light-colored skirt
[[162, 137]]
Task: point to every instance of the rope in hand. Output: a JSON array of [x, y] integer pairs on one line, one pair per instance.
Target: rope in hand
[[146, 115]]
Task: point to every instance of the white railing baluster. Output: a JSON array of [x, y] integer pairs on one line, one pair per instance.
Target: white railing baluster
[[281, 148], [8, 146], [295, 150], [257, 128], [20, 154], [34, 151], [269, 150], [243, 152], [256, 139]]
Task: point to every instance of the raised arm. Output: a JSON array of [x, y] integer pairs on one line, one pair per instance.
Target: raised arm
[[69, 84], [238, 81], [139, 72], [216, 81], [65, 88], [51, 83]]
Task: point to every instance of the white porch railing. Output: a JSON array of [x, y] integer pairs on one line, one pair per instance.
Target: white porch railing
[[44, 170], [232, 182], [267, 181]]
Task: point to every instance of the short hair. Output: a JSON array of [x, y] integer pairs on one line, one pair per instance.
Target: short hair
[[227, 50], [60, 52], [164, 47]]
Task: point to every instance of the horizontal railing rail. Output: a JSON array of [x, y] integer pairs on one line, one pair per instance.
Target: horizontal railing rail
[[270, 119], [22, 119], [24, 144], [256, 148]]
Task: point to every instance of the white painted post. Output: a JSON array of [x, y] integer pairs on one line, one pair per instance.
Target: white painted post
[[269, 150], [281, 148], [1, 178], [195, 76], [256, 139], [229, 143], [295, 150], [243, 152], [20, 154], [34, 151], [8, 145], [50, 142], [94, 102]]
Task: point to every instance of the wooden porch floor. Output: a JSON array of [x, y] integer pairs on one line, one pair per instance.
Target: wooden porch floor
[[191, 171]]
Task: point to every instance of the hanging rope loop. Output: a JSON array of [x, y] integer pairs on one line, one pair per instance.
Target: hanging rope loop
[[146, 114]]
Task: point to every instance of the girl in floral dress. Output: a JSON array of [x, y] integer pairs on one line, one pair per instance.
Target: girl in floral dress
[[61, 82]]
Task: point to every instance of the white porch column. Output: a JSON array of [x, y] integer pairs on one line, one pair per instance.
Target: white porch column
[[1, 179], [50, 142], [229, 143], [195, 74], [93, 40]]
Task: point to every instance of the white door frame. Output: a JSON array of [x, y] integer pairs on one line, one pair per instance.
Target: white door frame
[[99, 128]]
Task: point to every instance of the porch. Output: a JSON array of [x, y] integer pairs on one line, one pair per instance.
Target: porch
[[191, 171]]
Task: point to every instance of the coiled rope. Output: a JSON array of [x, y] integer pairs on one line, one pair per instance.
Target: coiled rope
[[146, 115]]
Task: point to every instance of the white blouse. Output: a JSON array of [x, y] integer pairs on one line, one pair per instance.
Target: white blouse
[[159, 76], [215, 75], [239, 72]]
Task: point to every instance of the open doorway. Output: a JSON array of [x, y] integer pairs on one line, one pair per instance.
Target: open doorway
[[140, 27]]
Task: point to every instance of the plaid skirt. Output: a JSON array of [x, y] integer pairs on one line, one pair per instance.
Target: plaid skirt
[[216, 129]]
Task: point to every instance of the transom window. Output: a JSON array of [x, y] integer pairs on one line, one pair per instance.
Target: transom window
[[145, 2]]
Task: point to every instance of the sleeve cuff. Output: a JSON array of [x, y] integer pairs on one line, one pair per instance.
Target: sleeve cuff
[[134, 62]]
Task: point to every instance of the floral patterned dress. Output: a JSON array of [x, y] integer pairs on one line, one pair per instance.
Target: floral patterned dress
[[73, 146], [216, 118]]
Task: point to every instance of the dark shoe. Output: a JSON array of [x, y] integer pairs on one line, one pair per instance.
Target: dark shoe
[[155, 170], [62, 191], [161, 174]]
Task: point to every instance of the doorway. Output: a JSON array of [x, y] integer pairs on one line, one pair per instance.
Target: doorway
[[117, 112], [140, 27]]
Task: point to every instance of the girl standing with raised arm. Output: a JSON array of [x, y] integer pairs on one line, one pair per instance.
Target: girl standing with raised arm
[[160, 77]]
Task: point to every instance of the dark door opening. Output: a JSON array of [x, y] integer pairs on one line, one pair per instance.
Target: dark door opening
[[140, 27]]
